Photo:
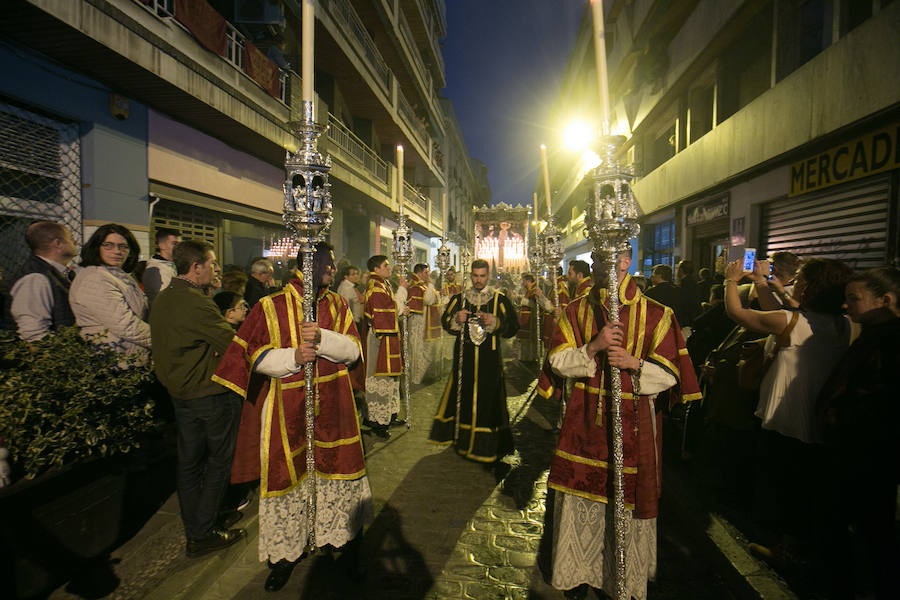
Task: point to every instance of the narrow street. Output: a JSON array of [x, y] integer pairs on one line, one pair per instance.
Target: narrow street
[[444, 528]]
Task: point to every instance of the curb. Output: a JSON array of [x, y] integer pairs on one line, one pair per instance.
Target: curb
[[751, 579]]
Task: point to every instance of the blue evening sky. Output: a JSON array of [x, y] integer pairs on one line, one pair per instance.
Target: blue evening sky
[[505, 62]]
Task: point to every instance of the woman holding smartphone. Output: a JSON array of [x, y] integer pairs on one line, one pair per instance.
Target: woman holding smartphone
[[813, 337]]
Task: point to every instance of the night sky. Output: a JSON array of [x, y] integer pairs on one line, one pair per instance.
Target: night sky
[[505, 63]]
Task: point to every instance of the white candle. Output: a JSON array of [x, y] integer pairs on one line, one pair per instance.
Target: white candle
[[400, 177], [600, 58], [444, 210], [546, 178], [308, 26]]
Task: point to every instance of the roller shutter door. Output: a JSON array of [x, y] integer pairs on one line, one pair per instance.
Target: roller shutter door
[[850, 224], [192, 222]]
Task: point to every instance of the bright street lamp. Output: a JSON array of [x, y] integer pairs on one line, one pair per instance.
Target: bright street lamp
[[577, 135]]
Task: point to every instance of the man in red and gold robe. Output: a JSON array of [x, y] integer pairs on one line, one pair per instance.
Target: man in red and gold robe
[[420, 298], [647, 345], [384, 364], [265, 365], [534, 305]]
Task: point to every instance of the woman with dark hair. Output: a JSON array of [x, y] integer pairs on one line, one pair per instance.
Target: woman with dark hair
[[861, 420], [803, 345], [105, 298]]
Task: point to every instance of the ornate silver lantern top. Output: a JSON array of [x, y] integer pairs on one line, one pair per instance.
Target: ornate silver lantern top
[[443, 259], [403, 252], [307, 192], [611, 212], [552, 251]]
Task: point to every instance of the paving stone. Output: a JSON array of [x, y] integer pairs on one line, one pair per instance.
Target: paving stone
[[469, 572], [474, 538], [489, 526], [526, 528], [518, 593], [487, 555], [522, 560], [482, 591], [509, 575], [516, 543]]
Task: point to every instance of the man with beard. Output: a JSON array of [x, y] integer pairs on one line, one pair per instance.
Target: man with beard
[[484, 315], [265, 365], [647, 345]]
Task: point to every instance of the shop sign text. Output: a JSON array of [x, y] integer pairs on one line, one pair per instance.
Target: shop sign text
[[873, 153]]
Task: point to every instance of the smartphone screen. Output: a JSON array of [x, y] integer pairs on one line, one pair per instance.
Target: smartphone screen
[[749, 259]]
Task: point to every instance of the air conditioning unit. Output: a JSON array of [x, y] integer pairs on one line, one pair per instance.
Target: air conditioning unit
[[266, 12]]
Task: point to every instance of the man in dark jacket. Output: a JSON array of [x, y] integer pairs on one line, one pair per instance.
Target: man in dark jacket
[[40, 297], [664, 291], [260, 282], [189, 337]]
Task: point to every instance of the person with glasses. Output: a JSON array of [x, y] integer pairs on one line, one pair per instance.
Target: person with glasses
[[105, 298], [233, 307]]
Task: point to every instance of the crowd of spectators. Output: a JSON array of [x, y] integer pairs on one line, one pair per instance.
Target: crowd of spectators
[[798, 430]]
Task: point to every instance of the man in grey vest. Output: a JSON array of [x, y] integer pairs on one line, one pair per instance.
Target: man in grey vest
[[40, 297]]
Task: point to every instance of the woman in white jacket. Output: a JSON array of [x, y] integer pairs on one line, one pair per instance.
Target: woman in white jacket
[[105, 298]]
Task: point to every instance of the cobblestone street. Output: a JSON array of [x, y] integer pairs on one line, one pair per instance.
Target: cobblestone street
[[444, 528]]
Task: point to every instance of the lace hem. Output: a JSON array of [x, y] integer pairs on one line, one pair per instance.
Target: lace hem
[[382, 398], [342, 508], [584, 547]]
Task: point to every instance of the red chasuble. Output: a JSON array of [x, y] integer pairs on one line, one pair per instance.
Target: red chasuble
[[432, 322], [451, 289], [381, 312], [274, 322], [415, 295], [581, 463]]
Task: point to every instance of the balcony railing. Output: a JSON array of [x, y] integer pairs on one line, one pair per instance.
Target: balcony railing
[[409, 115], [345, 15], [347, 141], [415, 201], [235, 42]]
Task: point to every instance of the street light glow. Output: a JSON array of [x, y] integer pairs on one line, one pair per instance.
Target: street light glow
[[577, 135]]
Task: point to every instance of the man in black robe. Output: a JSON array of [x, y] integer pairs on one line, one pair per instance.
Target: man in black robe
[[484, 315]]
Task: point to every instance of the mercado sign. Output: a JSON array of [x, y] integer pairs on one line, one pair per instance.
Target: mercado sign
[[873, 153]]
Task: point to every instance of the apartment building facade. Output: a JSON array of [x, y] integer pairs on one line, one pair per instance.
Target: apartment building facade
[[771, 124], [176, 113]]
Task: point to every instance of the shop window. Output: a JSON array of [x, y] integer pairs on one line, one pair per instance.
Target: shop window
[[659, 245]]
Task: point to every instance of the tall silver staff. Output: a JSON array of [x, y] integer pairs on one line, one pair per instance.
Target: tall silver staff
[[402, 255], [553, 253], [443, 262], [307, 212], [611, 220], [465, 258]]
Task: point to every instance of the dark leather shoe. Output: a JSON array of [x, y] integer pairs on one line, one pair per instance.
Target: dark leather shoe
[[279, 575], [577, 593], [228, 518], [216, 540]]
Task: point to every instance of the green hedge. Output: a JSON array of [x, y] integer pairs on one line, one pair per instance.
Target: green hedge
[[64, 399]]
